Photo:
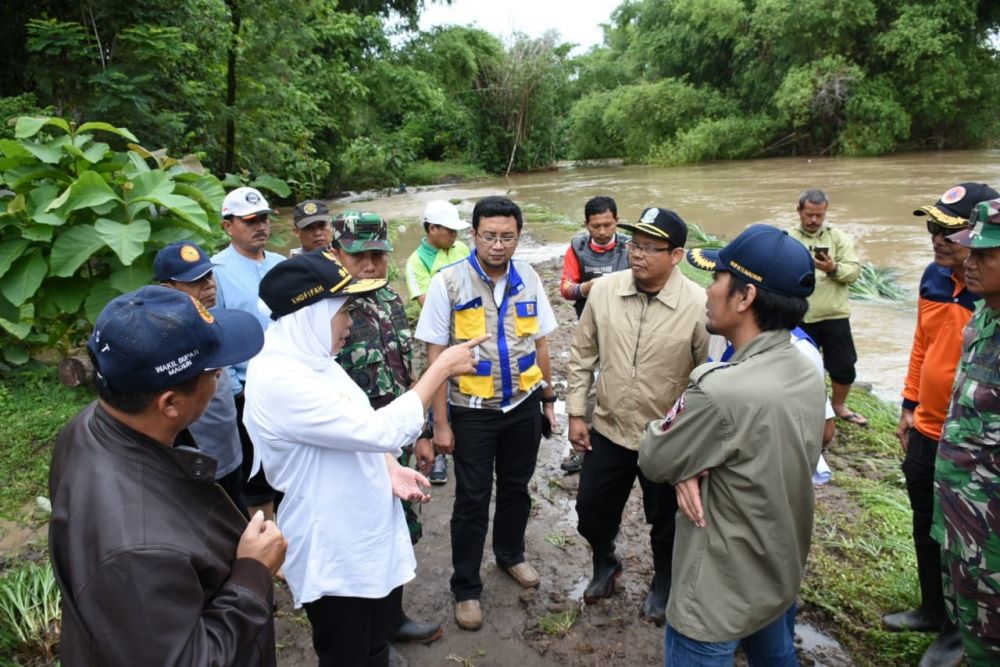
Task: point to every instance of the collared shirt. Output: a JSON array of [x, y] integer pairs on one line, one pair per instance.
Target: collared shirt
[[829, 298], [435, 324], [756, 423], [944, 308], [426, 261], [645, 348], [237, 282], [216, 432]]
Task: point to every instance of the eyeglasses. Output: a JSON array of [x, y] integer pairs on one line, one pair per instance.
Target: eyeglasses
[[934, 229], [646, 248], [252, 220], [506, 240]]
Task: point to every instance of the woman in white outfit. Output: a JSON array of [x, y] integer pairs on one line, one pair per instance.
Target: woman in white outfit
[[334, 457]]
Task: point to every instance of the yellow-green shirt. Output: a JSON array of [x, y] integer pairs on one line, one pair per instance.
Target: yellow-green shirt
[[829, 299]]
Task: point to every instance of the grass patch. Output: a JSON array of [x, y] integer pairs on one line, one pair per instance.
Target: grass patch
[[862, 565], [34, 406], [558, 625], [534, 213], [426, 172], [877, 283], [29, 614]]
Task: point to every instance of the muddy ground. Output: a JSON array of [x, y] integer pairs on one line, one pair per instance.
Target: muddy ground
[[522, 627]]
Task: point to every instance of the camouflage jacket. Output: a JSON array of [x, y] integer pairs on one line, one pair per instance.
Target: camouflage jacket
[[379, 352], [967, 472]]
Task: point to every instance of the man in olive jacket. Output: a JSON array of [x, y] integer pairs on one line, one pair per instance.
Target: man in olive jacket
[[155, 564], [740, 445]]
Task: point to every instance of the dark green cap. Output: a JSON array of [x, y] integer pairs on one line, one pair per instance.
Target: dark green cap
[[357, 232], [984, 227]]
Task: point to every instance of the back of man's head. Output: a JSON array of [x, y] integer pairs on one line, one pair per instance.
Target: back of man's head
[[156, 339]]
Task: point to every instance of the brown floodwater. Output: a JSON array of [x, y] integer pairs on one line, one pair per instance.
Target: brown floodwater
[[872, 199]]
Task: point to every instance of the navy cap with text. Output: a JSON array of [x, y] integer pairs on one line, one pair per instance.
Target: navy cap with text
[[184, 262], [764, 256], [307, 278]]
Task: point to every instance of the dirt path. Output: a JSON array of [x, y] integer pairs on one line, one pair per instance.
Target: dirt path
[[523, 627]]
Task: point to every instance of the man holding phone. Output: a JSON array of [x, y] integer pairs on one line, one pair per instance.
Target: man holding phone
[[828, 319]]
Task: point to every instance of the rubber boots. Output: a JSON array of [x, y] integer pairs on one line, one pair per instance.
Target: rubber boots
[[607, 568], [655, 606]]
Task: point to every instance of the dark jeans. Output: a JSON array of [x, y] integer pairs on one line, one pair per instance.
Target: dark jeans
[[256, 490], [771, 646], [350, 632], [606, 480], [918, 468], [485, 439]]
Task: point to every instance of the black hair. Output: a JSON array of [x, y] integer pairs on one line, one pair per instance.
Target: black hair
[[427, 227], [134, 403], [813, 196], [770, 310], [489, 207], [598, 205]]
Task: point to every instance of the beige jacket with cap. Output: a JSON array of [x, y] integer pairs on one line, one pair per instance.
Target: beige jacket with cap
[[645, 348]]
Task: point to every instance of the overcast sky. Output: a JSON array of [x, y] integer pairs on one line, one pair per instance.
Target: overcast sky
[[577, 22]]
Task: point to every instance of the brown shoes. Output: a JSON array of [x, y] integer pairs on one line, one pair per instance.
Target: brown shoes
[[469, 615], [524, 575]]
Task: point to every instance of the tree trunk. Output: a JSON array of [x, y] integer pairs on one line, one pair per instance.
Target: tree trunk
[[74, 371], [229, 162]]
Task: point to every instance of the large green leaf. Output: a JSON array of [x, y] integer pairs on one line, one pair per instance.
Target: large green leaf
[[171, 234], [12, 148], [88, 191], [9, 311], [275, 185], [74, 247], [38, 233], [10, 251], [27, 126], [128, 241], [20, 176], [133, 277], [136, 165], [16, 354], [150, 184], [107, 127], [67, 293], [46, 154], [18, 330], [99, 296], [39, 200], [184, 208], [24, 278]]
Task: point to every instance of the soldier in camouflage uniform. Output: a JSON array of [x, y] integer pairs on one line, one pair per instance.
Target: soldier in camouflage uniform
[[967, 474], [378, 356]]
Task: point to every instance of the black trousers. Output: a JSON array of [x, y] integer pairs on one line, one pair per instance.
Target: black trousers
[[256, 490], [918, 468], [606, 480], [232, 484], [837, 345], [484, 440], [350, 632]]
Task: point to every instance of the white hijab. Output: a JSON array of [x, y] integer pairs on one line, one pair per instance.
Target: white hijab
[[306, 333]]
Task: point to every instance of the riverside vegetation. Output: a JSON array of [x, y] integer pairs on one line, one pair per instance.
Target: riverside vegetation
[[330, 95]]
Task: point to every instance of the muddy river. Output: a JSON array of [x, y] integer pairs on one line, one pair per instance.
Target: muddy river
[[871, 199]]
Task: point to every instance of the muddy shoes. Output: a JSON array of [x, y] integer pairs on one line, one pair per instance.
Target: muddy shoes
[[915, 620], [572, 463], [607, 568], [524, 575], [946, 651], [655, 606], [439, 472], [415, 631], [468, 614]]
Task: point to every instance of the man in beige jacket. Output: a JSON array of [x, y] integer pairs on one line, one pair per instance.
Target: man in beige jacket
[[645, 330]]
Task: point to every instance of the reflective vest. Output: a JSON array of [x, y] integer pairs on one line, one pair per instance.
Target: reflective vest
[[595, 264], [507, 364]]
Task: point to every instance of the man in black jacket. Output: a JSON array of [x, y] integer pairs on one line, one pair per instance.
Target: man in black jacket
[[155, 563]]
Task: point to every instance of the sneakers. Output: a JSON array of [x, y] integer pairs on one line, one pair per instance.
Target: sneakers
[[524, 574], [469, 615], [439, 473], [572, 463]]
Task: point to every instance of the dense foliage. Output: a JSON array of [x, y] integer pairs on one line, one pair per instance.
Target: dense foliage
[[688, 80], [330, 95]]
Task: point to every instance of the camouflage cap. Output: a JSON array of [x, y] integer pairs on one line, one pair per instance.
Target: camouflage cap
[[357, 232], [984, 227]]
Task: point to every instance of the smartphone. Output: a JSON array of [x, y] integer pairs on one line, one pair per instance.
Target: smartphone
[[819, 251]]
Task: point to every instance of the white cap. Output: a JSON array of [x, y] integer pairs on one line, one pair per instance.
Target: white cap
[[244, 201], [444, 213]]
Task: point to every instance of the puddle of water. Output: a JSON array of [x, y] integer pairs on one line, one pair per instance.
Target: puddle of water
[[579, 586], [813, 639]]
